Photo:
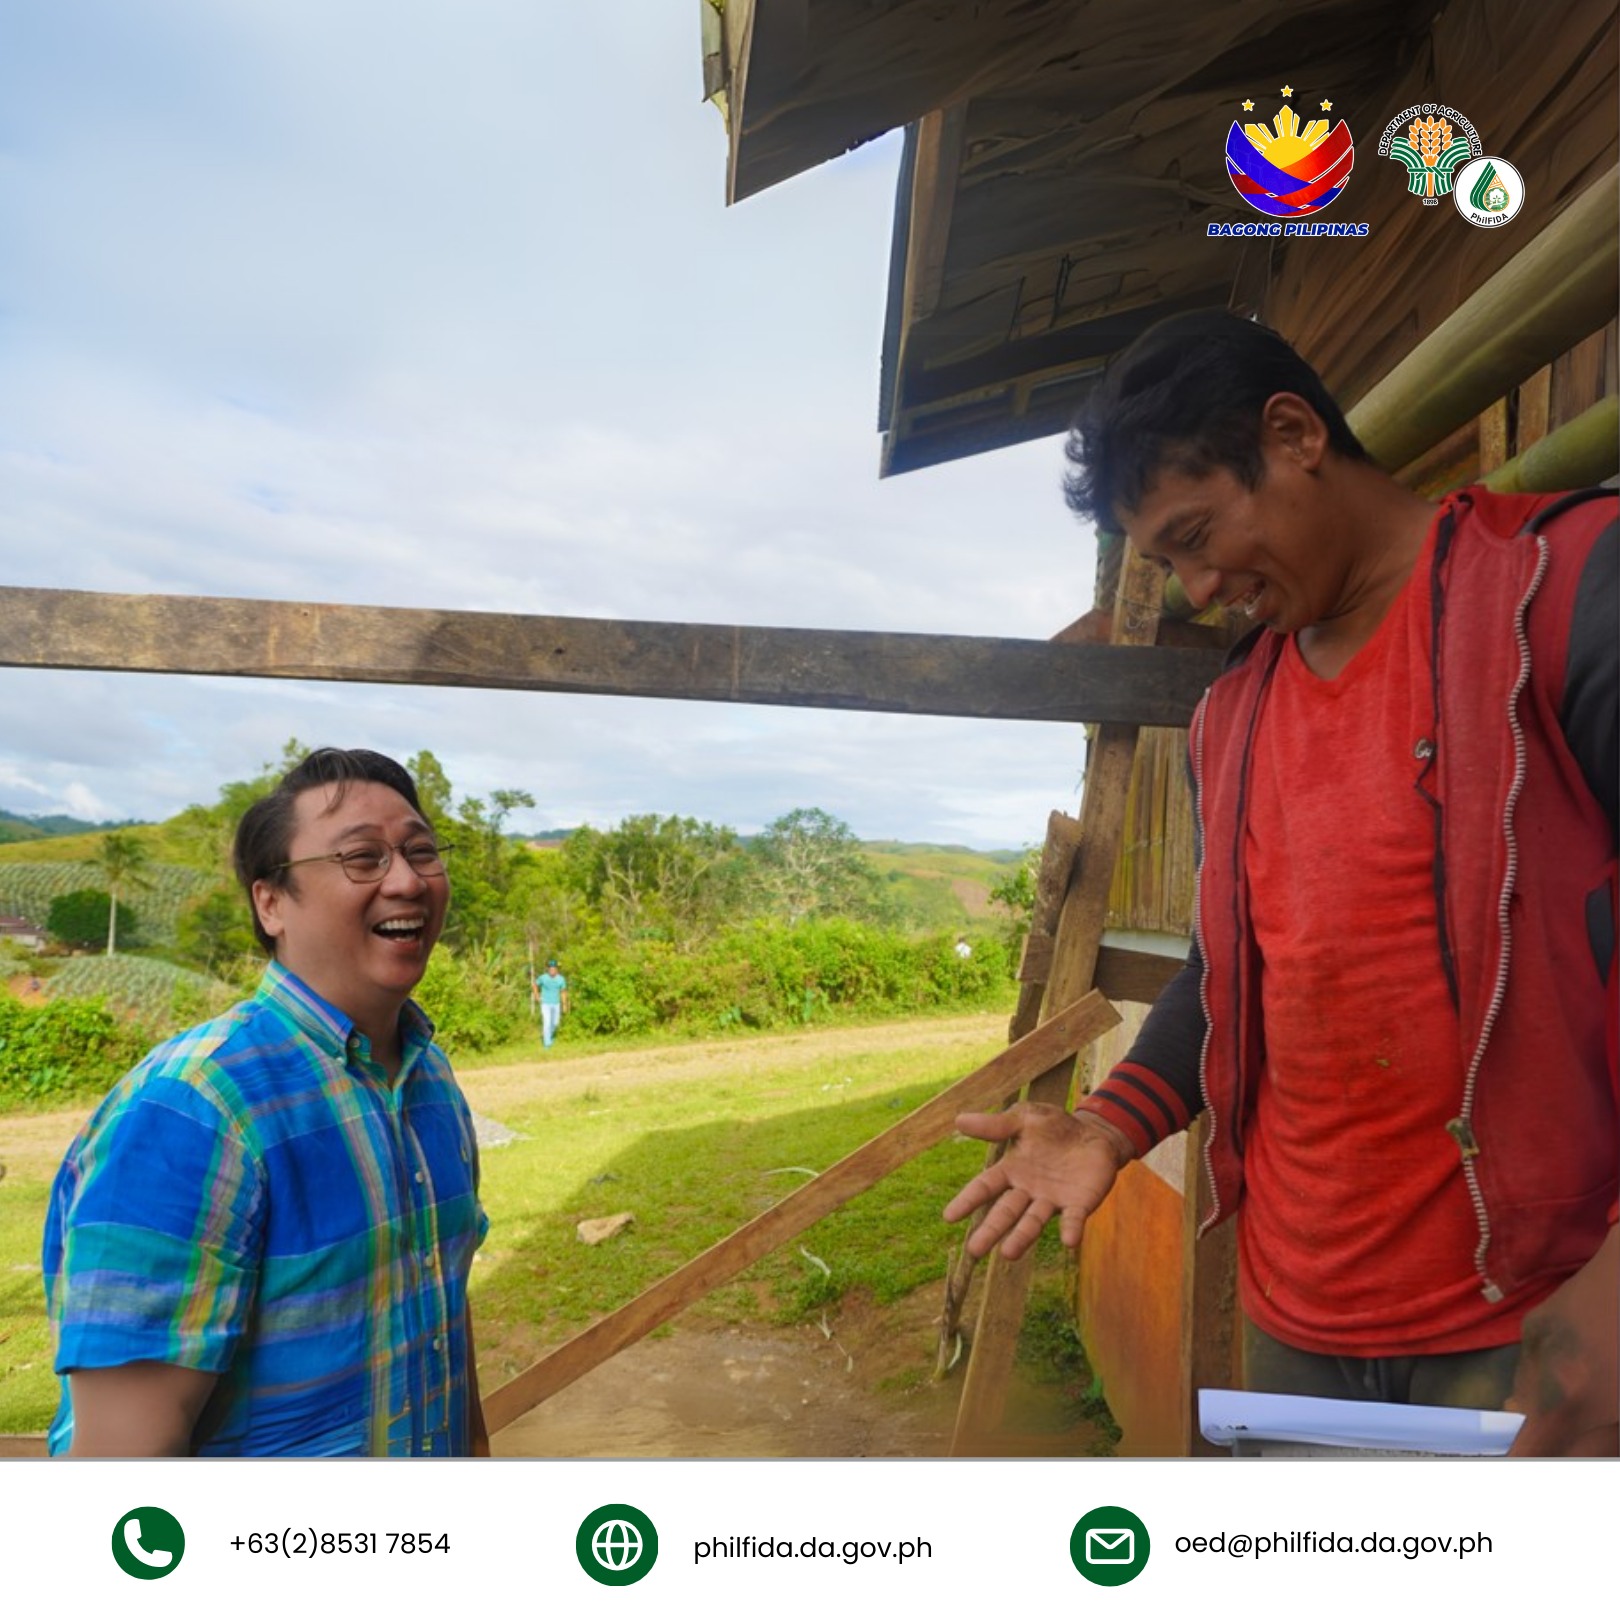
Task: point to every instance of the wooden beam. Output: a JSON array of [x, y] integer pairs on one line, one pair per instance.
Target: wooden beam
[[979, 677], [1074, 967], [1127, 975], [1057, 1040]]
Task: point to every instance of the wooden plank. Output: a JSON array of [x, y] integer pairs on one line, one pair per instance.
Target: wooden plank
[[1035, 965], [1058, 1038], [1493, 437], [1051, 887], [1578, 377], [1125, 975], [980, 677], [1079, 939], [1535, 410]]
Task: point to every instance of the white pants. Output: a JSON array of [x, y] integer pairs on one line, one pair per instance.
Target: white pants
[[550, 1018]]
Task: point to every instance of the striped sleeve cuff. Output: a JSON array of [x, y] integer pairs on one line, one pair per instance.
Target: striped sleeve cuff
[[1136, 1101]]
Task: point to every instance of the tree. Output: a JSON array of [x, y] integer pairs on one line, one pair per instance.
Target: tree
[[213, 931], [123, 860], [813, 867], [433, 789], [80, 920], [659, 877], [485, 858], [1015, 894], [209, 831]]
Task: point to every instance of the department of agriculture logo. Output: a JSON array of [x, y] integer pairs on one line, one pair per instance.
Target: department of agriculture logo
[[1287, 171], [616, 1544], [1490, 191], [1431, 142], [148, 1543], [1109, 1546]]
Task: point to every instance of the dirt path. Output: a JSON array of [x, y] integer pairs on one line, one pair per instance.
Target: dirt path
[[856, 1384], [488, 1088]]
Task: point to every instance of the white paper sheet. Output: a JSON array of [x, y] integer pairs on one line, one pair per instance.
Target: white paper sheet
[[1230, 1416]]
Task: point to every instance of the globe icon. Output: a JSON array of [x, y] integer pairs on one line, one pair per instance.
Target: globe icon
[[616, 1544]]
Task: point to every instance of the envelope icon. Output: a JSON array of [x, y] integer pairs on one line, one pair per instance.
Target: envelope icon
[[1110, 1546]]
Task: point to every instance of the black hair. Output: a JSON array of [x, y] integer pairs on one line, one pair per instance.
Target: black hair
[[1187, 394], [265, 833]]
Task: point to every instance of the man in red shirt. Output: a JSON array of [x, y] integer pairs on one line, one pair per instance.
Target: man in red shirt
[[1398, 1012]]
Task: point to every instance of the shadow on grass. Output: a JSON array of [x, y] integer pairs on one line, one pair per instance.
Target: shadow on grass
[[688, 1188]]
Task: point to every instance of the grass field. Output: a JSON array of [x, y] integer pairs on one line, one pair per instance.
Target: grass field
[[694, 1140]]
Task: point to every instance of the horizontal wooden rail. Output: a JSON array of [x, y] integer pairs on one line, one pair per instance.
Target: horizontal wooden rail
[[978, 677], [1059, 1038]]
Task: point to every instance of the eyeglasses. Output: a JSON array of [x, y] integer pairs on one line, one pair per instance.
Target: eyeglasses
[[367, 862]]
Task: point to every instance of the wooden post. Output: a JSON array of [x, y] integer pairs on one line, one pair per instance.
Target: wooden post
[[1034, 970], [1074, 964], [1055, 1041]]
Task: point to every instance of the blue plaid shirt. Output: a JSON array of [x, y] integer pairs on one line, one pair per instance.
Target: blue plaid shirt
[[255, 1199]]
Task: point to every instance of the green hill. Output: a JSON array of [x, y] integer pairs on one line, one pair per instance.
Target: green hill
[[16, 828], [942, 885], [28, 886], [168, 843]]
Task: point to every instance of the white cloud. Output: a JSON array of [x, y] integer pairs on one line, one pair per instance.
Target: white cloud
[[395, 305]]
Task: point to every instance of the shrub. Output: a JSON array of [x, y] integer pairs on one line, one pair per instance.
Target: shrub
[[478, 1000], [80, 918], [62, 1049]]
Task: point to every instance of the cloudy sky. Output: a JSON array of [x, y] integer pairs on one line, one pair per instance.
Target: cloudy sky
[[414, 303]]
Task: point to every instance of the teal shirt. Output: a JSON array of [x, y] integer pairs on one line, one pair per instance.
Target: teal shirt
[[551, 987]]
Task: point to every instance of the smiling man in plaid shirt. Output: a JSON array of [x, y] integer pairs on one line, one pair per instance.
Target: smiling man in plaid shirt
[[260, 1243]]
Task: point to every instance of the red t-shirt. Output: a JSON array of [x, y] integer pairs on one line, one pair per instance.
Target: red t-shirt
[[1358, 1233]]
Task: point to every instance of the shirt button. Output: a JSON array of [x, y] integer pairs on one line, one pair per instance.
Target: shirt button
[[1423, 749], [438, 1344], [421, 1176]]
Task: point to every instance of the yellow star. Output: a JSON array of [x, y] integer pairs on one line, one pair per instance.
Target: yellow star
[[1248, 106], [1288, 90], [1327, 106]]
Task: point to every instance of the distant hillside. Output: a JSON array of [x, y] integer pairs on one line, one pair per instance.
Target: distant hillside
[[166, 842], [16, 828], [27, 888], [942, 885]]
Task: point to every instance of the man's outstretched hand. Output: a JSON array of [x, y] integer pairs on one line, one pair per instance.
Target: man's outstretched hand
[[1568, 1385], [1056, 1163]]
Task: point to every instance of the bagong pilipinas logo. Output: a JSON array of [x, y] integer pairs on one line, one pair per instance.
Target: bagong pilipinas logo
[[1432, 142], [1286, 171]]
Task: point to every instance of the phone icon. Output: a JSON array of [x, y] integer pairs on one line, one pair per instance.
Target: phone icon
[[161, 1559], [148, 1543]]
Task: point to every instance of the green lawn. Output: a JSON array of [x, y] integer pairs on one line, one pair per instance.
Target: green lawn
[[694, 1140]]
